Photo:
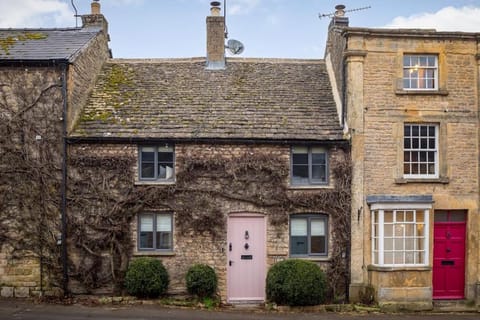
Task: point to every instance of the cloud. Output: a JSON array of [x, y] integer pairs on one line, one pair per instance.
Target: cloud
[[446, 19], [35, 13], [238, 7]]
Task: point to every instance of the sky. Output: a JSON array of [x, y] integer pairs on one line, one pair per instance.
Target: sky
[[267, 28]]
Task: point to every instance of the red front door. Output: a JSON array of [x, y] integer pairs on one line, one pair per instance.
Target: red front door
[[449, 254]]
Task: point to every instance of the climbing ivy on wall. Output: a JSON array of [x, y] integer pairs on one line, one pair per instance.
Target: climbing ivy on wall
[[104, 202]]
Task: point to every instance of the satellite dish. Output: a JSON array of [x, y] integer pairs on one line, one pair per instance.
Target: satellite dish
[[235, 46]]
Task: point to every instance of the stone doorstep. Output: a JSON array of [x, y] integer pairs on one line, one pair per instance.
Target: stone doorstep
[[454, 306]]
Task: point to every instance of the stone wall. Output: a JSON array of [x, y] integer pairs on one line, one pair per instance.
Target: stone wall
[[191, 247], [378, 109], [30, 104]]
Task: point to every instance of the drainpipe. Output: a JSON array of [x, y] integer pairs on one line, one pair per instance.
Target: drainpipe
[[63, 191]]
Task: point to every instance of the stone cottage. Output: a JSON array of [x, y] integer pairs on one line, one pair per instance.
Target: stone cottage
[[45, 76], [411, 102], [235, 163]]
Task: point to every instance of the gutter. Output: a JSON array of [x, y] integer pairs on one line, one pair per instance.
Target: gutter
[[150, 140]]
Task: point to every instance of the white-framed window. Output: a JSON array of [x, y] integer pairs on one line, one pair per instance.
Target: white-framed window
[[309, 165], [420, 150], [400, 234], [155, 231], [420, 72], [309, 235], [156, 163]]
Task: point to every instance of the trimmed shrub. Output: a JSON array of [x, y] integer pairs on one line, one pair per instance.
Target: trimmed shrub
[[201, 280], [146, 278], [296, 283]]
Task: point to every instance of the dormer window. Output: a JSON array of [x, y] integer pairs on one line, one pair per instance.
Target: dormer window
[[420, 72]]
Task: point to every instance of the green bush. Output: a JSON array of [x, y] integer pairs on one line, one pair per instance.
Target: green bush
[[146, 278], [296, 283], [201, 280]]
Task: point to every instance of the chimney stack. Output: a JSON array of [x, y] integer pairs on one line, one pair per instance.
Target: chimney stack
[[339, 19], [215, 38], [95, 19]]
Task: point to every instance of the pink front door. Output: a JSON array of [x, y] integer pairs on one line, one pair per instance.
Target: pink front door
[[449, 255], [246, 258]]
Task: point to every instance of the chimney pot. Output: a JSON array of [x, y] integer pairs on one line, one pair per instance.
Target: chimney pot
[[340, 10], [215, 9], [95, 7]]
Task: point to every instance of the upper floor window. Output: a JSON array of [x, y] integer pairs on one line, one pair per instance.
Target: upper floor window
[[420, 151], [308, 235], [155, 231], [420, 72], [156, 162], [309, 165]]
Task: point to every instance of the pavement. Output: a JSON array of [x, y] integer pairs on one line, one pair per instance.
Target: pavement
[[30, 310]]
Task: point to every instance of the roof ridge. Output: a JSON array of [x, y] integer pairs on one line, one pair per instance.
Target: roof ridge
[[42, 29], [202, 59]]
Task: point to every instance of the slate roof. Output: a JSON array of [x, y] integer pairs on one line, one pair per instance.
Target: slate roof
[[43, 44], [268, 99]]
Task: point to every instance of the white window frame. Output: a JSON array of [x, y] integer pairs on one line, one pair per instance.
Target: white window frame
[[420, 150], [157, 149], [154, 231], [380, 208], [412, 68]]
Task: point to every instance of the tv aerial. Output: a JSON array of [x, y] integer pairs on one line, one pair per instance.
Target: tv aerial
[[340, 11], [234, 46]]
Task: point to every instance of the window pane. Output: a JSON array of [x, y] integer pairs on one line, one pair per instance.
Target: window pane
[[165, 172], [318, 158], [146, 223], [164, 240], [165, 157], [457, 216], [317, 227], [298, 245], [318, 172], [146, 240], [388, 244], [300, 158], [400, 216], [388, 230], [399, 230], [148, 170], [399, 244], [317, 244], [300, 173], [388, 216], [388, 258], [164, 222], [148, 153], [298, 227], [441, 216]]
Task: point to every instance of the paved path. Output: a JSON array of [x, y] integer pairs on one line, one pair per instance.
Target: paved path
[[14, 309]]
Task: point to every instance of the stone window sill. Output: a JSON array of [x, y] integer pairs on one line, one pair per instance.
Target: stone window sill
[[440, 92], [442, 180], [153, 253], [398, 268], [312, 258], [310, 187], [153, 182]]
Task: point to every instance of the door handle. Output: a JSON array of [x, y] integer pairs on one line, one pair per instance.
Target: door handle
[[230, 262], [230, 246]]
